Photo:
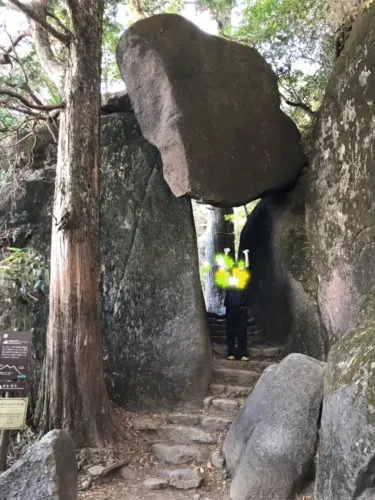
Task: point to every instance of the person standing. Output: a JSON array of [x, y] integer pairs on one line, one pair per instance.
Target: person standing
[[236, 318]]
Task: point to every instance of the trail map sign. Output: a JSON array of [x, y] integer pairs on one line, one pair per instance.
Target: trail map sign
[[13, 413], [14, 359]]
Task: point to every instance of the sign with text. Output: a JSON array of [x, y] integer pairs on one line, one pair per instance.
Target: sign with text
[[13, 413], [14, 357], [12, 385]]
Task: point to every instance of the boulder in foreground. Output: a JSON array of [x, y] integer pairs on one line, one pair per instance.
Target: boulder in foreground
[[270, 447], [48, 469]]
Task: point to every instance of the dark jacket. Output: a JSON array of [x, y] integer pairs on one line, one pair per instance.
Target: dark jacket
[[235, 298]]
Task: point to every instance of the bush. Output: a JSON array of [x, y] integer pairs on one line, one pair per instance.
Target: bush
[[24, 276]]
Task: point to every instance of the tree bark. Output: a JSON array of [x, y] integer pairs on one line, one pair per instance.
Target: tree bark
[[73, 395], [220, 235]]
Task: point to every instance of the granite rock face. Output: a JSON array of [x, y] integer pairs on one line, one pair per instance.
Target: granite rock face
[[346, 464], [281, 295], [341, 233], [48, 469], [155, 338], [340, 200], [270, 447], [212, 109]]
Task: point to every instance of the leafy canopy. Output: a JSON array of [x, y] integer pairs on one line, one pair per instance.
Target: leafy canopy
[[295, 37]]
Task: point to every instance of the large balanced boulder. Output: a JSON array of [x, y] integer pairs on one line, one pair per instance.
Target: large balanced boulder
[[340, 206], [346, 464], [48, 469], [211, 107], [269, 449], [281, 295], [154, 330]]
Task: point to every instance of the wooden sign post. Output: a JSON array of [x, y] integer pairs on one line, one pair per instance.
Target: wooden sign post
[[14, 362]]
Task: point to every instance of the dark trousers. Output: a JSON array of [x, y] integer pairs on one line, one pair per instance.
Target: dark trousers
[[237, 330]]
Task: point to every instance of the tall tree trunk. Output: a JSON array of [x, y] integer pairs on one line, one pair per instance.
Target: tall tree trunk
[[220, 235], [73, 395]]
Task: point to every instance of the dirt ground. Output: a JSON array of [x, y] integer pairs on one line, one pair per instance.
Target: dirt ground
[[133, 462], [126, 482]]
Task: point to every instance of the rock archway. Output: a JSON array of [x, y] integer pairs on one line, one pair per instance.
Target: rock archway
[[212, 108]]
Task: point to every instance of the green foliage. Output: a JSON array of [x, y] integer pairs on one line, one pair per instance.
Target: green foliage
[[295, 37], [111, 33], [7, 120], [146, 8], [17, 218], [26, 78], [239, 218], [23, 275]]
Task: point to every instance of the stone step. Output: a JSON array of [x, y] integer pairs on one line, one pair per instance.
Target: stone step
[[229, 391], [253, 365], [184, 418], [267, 352], [221, 330], [183, 434], [210, 423], [221, 337], [222, 321], [220, 348], [225, 405], [232, 376], [180, 454], [215, 423], [184, 479], [148, 423]]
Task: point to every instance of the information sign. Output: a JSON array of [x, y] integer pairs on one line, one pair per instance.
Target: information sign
[[12, 385], [13, 413], [14, 357]]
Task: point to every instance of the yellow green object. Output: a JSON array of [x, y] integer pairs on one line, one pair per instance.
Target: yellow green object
[[228, 273]]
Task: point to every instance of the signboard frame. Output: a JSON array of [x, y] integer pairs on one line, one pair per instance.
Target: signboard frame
[[15, 350], [17, 413]]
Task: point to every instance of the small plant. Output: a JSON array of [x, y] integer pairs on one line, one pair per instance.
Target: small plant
[[17, 218], [23, 276]]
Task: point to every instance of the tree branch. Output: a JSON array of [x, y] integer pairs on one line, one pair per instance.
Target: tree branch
[[4, 57], [30, 105], [53, 67], [301, 105], [25, 86], [25, 111], [59, 23], [35, 16]]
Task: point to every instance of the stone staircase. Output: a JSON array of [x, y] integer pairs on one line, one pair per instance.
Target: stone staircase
[[186, 442]]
